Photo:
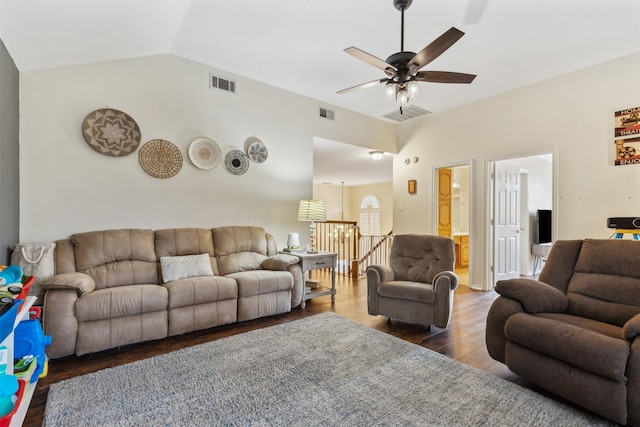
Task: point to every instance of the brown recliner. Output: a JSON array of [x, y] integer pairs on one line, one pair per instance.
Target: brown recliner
[[576, 330], [418, 285]]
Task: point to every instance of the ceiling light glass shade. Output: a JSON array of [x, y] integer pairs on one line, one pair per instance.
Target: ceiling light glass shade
[[402, 98], [390, 92], [376, 155], [312, 210], [412, 88]]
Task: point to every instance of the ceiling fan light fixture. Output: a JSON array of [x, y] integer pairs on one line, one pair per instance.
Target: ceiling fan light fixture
[[402, 97], [412, 88], [390, 92], [376, 155]]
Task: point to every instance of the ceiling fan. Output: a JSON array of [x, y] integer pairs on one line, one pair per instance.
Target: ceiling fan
[[403, 68]]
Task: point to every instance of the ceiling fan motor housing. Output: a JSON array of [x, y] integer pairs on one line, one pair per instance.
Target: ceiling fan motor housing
[[402, 4], [400, 61]]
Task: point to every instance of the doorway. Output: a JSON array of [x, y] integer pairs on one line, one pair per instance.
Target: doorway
[[518, 188], [453, 213]]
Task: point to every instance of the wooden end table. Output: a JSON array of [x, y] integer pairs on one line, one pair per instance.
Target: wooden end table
[[315, 262]]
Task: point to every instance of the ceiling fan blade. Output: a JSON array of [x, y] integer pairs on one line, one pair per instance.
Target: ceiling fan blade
[[363, 86], [444, 77], [369, 59], [436, 48]]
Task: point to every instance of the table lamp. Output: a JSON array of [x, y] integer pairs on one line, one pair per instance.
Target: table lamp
[[312, 210]]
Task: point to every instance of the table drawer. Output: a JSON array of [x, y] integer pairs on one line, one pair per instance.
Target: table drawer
[[318, 262]]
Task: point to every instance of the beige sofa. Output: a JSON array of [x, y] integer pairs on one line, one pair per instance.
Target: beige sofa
[[109, 288], [576, 330]]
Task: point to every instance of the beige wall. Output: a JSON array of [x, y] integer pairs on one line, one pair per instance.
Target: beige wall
[[67, 187], [571, 115]]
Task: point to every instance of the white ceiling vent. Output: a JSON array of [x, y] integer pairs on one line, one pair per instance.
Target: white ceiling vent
[[327, 114], [409, 112], [222, 83]]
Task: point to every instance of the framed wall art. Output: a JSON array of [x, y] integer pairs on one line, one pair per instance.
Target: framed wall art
[[412, 186]]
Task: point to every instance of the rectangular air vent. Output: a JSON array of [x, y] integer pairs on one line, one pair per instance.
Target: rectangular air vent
[[409, 112], [222, 83], [327, 114]]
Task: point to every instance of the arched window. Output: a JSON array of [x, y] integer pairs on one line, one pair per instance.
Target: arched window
[[370, 216]]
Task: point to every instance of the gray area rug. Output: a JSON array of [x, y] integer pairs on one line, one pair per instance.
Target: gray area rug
[[323, 370]]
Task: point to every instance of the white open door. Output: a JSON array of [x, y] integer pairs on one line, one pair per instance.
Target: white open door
[[506, 220]]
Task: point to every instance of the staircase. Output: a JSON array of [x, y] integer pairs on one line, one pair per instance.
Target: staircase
[[355, 252]]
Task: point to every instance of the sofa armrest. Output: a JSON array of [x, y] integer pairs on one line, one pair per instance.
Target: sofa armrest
[[80, 282], [631, 329], [535, 296], [280, 262], [290, 263]]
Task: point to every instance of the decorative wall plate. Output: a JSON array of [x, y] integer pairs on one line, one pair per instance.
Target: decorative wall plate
[[256, 150], [111, 132], [160, 158], [205, 153], [236, 162]]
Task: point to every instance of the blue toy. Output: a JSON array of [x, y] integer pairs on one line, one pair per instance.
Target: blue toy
[[11, 274], [29, 339], [8, 388]]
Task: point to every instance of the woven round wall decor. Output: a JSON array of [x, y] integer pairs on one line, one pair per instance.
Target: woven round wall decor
[[236, 162], [205, 153], [256, 150], [111, 132], [160, 158]]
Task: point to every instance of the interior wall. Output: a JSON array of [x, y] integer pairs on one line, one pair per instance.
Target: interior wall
[[9, 155], [571, 115], [67, 187]]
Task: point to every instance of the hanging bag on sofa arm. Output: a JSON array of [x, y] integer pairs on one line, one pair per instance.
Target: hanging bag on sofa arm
[[35, 259]]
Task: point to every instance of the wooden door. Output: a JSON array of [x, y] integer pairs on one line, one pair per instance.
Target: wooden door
[[444, 202]]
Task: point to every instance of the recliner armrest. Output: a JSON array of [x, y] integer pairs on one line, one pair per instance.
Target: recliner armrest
[[631, 329], [447, 275], [80, 282], [535, 296], [385, 273]]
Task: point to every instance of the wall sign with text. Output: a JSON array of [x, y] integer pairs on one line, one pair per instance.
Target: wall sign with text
[[627, 133]]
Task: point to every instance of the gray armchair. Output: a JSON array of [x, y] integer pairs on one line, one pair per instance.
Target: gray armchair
[[418, 285]]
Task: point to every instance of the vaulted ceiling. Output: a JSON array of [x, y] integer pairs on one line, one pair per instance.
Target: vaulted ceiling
[[297, 45]]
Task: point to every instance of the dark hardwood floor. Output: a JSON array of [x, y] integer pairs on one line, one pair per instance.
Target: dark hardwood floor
[[463, 340]]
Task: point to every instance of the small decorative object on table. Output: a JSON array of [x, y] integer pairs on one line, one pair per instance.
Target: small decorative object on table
[[293, 244]]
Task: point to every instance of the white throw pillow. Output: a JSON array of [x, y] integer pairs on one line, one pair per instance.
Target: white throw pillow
[[182, 267]]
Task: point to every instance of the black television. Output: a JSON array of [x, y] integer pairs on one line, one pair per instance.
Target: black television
[[543, 226]]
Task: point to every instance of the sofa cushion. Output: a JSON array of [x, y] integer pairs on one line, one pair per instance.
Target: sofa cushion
[[239, 248], [257, 282], [182, 267], [200, 290], [605, 285], [185, 241], [577, 346], [416, 258], [121, 301], [412, 291], [116, 257], [607, 329]]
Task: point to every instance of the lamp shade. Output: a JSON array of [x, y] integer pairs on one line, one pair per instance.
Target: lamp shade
[[312, 210]]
